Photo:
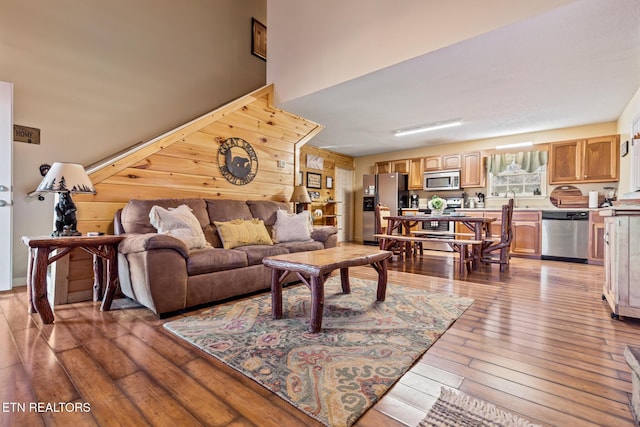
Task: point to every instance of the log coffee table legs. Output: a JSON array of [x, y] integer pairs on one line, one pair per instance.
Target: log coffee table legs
[[316, 286]]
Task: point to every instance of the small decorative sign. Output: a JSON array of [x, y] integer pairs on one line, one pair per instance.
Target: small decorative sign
[[238, 161], [26, 134]]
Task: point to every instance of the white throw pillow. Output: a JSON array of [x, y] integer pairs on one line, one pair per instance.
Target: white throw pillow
[[291, 227], [180, 223]]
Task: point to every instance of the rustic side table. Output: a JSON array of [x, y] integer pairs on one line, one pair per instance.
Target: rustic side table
[[40, 247]]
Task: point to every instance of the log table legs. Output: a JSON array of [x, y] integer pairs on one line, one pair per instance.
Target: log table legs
[[40, 250], [318, 270]]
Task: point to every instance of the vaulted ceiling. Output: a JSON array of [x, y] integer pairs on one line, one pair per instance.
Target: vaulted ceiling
[[573, 65]]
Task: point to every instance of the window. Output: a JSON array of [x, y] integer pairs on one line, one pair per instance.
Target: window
[[523, 173]]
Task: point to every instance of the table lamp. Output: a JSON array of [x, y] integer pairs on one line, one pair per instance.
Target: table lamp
[[66, 178], [300, 198]]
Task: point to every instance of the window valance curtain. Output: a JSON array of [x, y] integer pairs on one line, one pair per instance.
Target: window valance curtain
[[529, 161]]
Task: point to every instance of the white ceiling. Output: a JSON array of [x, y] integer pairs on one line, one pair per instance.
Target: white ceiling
[[575, 65]]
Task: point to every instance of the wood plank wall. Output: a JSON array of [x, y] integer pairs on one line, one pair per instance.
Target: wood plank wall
[[184, 163], [331, 160]]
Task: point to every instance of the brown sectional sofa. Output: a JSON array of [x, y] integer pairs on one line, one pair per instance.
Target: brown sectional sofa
[[161, 273]]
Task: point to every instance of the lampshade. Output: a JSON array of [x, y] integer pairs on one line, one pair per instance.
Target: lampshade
[[300, 195], [66, 177]]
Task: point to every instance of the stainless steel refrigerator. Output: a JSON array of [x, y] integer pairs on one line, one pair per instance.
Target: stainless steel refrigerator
[[389, 189]]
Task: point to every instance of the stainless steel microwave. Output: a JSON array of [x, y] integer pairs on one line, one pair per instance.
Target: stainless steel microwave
[[443, 180]]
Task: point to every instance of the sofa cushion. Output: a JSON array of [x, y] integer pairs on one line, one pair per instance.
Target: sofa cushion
[[227, 210], [180, 223], [266, 210], [255, 253], [208, 260], [240, 232], [211, 234], [291, 227], [135, 214], [309, 245]]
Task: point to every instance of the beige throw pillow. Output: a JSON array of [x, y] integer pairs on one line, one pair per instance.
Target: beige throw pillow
[[180, 223], [240, 232], [291, 227]]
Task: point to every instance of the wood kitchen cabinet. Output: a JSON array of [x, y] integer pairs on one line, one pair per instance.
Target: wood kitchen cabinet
[[621, 286], [585, 160], [383, 167], [433, 163], [415, 174], [399, 166], [527, 226], [527, 234], [472, 174], [596, 238], [451, 161]]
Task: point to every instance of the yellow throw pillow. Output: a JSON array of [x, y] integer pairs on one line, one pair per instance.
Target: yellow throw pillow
[[241, 232]]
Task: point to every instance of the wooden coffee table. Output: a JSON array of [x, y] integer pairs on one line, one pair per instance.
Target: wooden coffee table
[[318, 265]]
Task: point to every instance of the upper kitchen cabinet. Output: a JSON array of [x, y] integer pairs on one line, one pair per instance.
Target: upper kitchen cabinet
[[415, 174], [472, 173], [585, 160], [400, 166], [433, 163], [451, 161], [383, 167]]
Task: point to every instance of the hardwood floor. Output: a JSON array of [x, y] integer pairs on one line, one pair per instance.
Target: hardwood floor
[[538, 341]]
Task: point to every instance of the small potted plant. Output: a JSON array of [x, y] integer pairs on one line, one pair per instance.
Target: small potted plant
[[437, 205]]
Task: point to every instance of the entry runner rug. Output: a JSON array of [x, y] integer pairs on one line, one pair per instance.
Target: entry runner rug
[[336, 375], [456, 409]]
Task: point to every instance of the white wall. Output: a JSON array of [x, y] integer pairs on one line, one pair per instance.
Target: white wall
[[315, 44], [99, 77], [630, 113]]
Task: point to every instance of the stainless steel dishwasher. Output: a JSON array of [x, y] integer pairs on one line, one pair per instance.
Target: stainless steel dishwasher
[[565, 235]]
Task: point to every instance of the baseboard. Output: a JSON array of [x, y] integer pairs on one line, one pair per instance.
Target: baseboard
[[19, 281]]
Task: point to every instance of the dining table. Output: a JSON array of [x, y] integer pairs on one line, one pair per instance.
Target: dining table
[[479, 225]]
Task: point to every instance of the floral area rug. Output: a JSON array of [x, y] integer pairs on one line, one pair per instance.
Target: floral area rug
[[336, 375]]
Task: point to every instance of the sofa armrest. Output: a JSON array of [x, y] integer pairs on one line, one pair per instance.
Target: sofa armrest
[[144, 242], [321, 233]]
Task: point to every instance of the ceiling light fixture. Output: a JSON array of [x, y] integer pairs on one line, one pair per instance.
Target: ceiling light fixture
[[431, 126], [517, 144]]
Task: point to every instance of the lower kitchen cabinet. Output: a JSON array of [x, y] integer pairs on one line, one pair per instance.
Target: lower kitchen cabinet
[[622, 261], [526, 234], [596, 238], [526, 231]]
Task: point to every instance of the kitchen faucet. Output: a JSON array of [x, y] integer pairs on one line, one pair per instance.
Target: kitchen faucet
[[514, 195]]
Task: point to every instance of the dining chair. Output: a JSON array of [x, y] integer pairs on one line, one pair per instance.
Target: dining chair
[[383, 211], [498, 250]]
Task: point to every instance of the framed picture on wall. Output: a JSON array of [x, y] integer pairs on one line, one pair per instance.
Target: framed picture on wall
[[329, 182], [315, 162], [314, 180], [258, 39]]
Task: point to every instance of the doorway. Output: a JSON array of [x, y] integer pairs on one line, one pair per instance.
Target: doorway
[[344, 197]]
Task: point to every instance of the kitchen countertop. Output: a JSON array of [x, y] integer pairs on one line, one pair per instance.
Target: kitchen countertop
[[537, 208]]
